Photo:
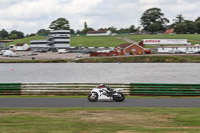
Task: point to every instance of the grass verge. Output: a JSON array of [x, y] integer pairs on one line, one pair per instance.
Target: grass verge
[[100, 120], [85, 96], [36, 61], [144, 59]]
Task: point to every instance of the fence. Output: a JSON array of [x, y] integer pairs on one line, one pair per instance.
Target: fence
[[65, 88], [156, 89], [147, 89], [10, 88]]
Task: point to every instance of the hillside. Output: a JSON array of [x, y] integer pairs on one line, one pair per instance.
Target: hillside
[[193, 38], [98, 41], [27, 40], [113, 41]]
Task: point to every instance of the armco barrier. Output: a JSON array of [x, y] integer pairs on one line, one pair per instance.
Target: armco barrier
[[147, 89], [10, 88], [157, 89], [65, 88]]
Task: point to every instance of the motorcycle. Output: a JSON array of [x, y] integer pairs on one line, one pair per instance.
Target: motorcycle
[[105, 94]]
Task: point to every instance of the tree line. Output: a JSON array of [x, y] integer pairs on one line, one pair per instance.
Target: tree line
[[152, 21], [12, 35]]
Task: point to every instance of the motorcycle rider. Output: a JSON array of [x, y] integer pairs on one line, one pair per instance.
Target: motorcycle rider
[[109, 90]]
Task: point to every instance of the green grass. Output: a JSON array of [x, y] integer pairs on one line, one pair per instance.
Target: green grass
[[113, 41], [100, 120], [27, 40], [144, 59], [99, 41], [193, 38]]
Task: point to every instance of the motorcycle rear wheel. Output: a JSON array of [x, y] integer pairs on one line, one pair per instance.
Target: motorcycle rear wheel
[[119, 99], [93, 98]]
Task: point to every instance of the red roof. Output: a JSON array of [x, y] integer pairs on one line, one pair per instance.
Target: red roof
[[179, 46], [170, 31], [96, 32], [124, 45], [19, 44]]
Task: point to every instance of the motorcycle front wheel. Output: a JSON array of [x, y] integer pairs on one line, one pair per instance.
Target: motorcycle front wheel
[[93, 97], [119, 99]]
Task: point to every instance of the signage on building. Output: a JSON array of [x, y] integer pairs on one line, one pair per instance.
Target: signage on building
[[165, 41]]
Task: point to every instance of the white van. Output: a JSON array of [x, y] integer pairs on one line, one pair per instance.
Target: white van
[[62, 51], [10, 53], [2, 51]]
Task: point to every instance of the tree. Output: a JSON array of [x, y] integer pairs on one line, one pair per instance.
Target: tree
[[13, 36], [198, 26], [85, 25], [179, 19], [191, 27], [43, 31], [113, 29], [60, 24], [86, 30], [18, 33], [153, 27], [186, 27], [132, 29], [3, 34], [198, 19], [153, 17], [72, 31]]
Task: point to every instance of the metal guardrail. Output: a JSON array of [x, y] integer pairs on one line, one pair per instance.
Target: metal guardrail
[[10, 88], [158, 89], [65, 88], [147, 89]]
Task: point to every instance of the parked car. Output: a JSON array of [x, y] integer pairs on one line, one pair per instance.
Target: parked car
[[196, 52], [62, 51], [14, 55], [170, 52], [9, 53], [179, 52], [1, 52], [79, 56], [31, 54], [189, 52]]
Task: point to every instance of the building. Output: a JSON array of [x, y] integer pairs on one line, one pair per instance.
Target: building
[[21, 47], [164, 42], [3, 42], [102, 53], [185, 48], [129, 49], [169, 31], [57, 39], [99, 33], [39, 45]]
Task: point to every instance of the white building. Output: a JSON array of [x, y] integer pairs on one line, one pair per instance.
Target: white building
[[185, 48], [58, 39], [39, 45], [99, 33], [21, 47]]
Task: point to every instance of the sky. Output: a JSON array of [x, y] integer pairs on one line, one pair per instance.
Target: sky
[[29, 16]]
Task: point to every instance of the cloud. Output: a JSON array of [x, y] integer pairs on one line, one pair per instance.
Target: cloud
[[32, 15]]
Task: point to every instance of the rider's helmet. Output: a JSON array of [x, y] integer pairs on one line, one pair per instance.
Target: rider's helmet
[[101, 85]]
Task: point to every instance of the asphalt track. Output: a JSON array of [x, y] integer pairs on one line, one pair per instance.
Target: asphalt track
[[83, 102]]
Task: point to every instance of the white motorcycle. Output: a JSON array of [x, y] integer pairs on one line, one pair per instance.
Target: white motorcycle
[[103, 94]]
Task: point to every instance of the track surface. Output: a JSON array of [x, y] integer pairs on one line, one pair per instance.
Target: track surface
[[83, 102]]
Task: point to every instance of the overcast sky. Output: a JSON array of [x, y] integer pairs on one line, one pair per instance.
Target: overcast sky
[[29, 16]]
